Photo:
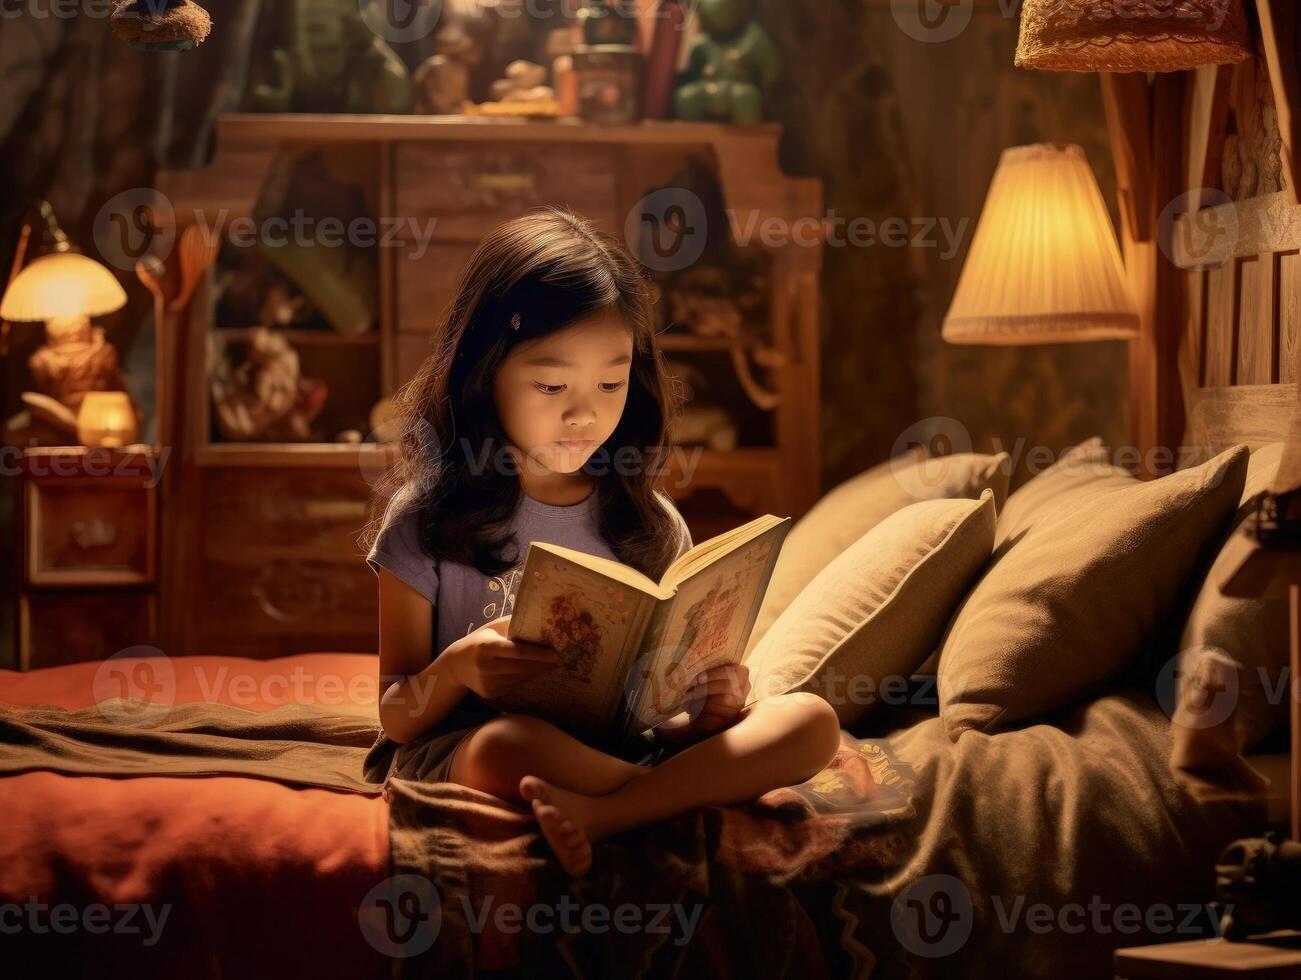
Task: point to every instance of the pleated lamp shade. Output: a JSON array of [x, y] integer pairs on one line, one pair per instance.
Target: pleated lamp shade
[[61, 285], [1131, 35], [1043, 265]]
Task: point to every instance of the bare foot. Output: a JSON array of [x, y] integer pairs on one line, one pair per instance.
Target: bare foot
[[561, 814]]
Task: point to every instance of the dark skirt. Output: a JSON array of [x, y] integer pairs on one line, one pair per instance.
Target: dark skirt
[[429, 757]]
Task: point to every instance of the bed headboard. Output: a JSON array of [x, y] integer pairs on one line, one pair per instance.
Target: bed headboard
[[1211, 229]]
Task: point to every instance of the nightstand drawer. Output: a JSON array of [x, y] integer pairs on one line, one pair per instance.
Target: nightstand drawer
[[83, 532], [470, 188], [67, 627]]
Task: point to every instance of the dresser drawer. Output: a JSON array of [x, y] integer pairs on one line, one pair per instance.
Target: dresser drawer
[[84, 532], [470, 188], [254, 515], [57, 628]]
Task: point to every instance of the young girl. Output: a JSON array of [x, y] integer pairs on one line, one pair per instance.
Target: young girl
[[510, 432]]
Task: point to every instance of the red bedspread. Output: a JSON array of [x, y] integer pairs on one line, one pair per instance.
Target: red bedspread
[[207, 876]]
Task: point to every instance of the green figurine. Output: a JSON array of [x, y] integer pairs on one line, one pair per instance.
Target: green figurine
[[328, 60], [730, 67]]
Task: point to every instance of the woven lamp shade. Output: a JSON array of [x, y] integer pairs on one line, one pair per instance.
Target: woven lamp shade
[[1131, 35], [59, 285], [1043, 266]]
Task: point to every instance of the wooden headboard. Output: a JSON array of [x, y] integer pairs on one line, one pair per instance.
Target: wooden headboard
[[1211, 229]]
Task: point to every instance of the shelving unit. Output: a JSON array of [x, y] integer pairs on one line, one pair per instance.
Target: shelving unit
[[456, 179]]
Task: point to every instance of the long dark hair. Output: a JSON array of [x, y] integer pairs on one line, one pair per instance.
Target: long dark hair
[[554, 268]]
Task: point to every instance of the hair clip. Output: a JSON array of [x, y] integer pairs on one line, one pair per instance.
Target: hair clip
[[515, 322]]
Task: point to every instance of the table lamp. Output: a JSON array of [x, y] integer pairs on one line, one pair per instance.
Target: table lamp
[[1044, 266], [65, 289]]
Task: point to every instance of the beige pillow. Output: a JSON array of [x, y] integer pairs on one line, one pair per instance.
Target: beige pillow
[[1254, 632], [878, 609], [847, 512], [1089, 562]]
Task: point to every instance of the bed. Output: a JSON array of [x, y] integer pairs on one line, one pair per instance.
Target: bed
[[1047, 846]]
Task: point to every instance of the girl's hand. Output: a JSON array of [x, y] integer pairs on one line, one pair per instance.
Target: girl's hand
[[488, 663], [712, 703]]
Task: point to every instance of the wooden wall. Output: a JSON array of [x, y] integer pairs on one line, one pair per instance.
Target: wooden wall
[[897, 127]]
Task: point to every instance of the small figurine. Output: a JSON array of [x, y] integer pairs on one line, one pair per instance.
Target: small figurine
[[161, 25], [730, 67], [524, 82], [441, 85], [330, 61], [1258, 880], [265, 398], [75, 358]]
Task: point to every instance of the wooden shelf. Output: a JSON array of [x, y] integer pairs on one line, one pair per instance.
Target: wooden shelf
[[312, 454], [304, 338], [344, 127]]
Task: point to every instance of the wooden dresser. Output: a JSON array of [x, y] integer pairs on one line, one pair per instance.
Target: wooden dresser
[[260, 539], [88, 546]]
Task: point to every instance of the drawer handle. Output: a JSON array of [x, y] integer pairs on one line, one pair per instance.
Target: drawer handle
[[88, 535], [506, 183], [334, 510]]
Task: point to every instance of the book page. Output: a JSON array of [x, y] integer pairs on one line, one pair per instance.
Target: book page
[[707, 623], [596, 625], [702, 554]]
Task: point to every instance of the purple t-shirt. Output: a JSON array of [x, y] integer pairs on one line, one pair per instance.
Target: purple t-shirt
[[462, 596]]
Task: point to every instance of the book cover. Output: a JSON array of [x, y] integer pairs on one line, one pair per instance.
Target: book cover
[[629, 645]]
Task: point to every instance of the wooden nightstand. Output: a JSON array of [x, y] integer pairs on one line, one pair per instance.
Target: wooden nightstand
[[89, 546]]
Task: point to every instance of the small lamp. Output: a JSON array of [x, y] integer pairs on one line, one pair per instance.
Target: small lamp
[[65, 289], [1044, 266], [1086, 35], [107, 419]]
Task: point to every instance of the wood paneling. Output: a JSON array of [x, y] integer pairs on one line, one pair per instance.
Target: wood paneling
[[1256, 330], [1221, 325], [1289, 317]]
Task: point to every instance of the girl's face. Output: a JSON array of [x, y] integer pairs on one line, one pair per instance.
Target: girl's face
[[559, 397]]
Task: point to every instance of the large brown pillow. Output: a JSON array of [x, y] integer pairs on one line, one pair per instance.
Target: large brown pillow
[[878, 609], [1090, 560], [847, 512], [1254, 632]]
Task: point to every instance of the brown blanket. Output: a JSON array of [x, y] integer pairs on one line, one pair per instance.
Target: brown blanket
[[1008, 842], [296, 744]]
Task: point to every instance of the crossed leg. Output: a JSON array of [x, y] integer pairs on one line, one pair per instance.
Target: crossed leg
[[778, 741], [499, 753]]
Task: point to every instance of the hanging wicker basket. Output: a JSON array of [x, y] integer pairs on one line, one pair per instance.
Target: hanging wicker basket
[[1131, 35]]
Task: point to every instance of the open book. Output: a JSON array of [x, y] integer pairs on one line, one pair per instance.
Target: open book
[[631, 646]]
